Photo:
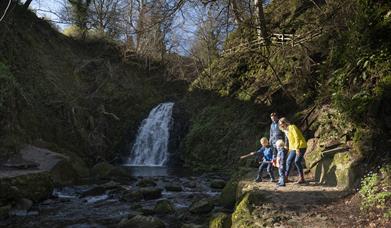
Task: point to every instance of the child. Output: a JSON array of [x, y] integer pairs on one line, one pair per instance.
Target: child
[[267, 153], [280, 162]]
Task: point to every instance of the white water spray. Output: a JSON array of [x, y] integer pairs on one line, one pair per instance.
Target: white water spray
[[150, 147]]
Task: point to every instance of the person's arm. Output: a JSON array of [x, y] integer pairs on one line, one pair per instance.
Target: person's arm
[[248, 155]]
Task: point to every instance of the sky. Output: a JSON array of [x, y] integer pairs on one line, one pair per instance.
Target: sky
[[183, 35]]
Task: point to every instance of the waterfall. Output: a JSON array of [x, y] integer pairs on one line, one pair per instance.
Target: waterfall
[[150, 147]]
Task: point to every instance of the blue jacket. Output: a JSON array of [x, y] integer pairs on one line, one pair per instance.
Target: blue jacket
[[275, 133], [266, 153]]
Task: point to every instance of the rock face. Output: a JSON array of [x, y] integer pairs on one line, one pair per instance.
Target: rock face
[[340, 168], [140, 221], [179, 128]]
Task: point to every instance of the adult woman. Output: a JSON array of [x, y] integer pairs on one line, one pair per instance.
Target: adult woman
[[297, 147]]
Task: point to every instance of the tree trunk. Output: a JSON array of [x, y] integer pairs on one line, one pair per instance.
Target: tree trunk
[[261, 27], [236, 11], [27, 4]]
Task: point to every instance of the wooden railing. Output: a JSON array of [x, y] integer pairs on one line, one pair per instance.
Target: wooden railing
[[277, 39]]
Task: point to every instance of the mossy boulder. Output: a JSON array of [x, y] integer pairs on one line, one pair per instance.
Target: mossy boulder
[[164, 207], [228, 194], [63, 174], [242, 216], [35, 186], [140, 221], [220, 220], [101, 170]]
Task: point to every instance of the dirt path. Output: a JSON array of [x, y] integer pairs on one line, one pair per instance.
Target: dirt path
[[305, 205]]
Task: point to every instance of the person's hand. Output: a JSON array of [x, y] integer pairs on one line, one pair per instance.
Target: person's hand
[[297, 152]]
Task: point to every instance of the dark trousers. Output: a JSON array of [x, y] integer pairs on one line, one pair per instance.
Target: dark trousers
[[281, 173], [269, 168], [298, 159]]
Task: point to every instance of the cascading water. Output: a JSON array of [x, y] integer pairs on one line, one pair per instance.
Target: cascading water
[[150, 147]]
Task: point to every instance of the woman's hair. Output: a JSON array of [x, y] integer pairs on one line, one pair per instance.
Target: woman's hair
[[280, 143], [264, 140], [284, 121]]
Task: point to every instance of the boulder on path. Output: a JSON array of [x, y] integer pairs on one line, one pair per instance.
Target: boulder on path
[[202, 206], [140, 221]]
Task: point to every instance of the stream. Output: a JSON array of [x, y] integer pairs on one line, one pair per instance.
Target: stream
[[105, 204]]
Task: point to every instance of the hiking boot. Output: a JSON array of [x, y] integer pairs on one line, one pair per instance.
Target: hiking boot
[[258, 180], [301, 180]]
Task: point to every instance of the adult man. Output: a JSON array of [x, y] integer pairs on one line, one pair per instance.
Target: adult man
[[275, 132]]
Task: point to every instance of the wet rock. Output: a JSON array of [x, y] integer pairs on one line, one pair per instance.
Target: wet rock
[[164, 207], [228, 195], [202, 206], [132, 196], [147, 211], [151, 193], [23, 204], [95, 191], [104, 170], [140, 221], [133, 214], [111, 185], [190, 184], [146, 183], [219, 184], [220, 220], [4, 211], [173, 187]]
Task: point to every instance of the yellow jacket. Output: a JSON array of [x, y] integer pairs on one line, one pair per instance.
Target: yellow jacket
[[296, 138]]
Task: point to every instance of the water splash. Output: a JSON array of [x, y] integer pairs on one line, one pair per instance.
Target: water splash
[[150, 147]]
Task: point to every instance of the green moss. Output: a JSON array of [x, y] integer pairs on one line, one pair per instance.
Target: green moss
[[375, 191], [220, 220]]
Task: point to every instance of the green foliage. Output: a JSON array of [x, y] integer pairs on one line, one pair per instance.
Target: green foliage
[[7, 86], [375, 192], [363, 60], [220, 132]]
